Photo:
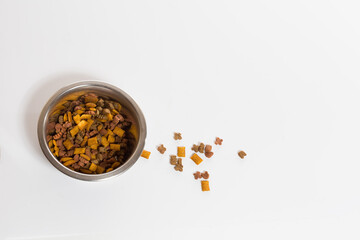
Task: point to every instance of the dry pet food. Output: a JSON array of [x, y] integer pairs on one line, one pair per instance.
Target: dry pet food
[[197, 175], [205, 175], [242, 154], [201, 147], [179, 166], [90, 134], [208, 148], [173, 160], [208, 152], [161, 149], [196, 159], [205, 186], [181, 151], [195, 148], [145, 154], [218, 141], [177, 136], [177, 162]]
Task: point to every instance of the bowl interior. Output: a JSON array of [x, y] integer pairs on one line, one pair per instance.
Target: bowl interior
[[72, 92]]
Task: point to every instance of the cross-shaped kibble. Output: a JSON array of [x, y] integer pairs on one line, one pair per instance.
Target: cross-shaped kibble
[[177, 136], [218, 141], [197, 175]]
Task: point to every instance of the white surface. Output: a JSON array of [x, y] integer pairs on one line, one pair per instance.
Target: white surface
[[278, 79]]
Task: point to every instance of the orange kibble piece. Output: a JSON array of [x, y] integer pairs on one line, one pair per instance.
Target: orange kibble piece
[[196, 159], [145, 154], [181, 151], [205, 186]]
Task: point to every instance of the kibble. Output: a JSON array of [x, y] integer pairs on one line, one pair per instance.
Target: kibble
[[78, 137], [197, 175], [205, 175], [201, 147], [195, 148], [241, 154], [177, 136], [218, 141], [161, 149]]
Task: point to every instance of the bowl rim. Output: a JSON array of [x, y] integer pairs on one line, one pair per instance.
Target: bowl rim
[[58, 95]]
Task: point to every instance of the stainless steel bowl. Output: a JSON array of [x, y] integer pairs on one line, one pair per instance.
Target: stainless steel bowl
[[103, 89]]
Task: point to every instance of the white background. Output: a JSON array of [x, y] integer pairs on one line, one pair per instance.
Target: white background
[[278, 79]]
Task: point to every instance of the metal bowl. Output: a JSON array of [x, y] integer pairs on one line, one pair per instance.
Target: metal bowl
[[102, 89]]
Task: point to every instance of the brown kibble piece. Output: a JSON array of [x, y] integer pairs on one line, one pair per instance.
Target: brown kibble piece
[[177, 136], [205, 175], [241, 154], [178, 168], [197, 175], [80, 131], [173, 160], [195, 148], [201, 147], [218, 141], [209, 154], [208, 148], [161, 149]]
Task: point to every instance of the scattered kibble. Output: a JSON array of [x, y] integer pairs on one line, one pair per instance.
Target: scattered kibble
[[197, 175], [195, 148], [201, 147], [205, 186], [205, 175], [177, 136], [208, 152], [241, 154], [181, 151], [173, 160], [161, 149], [145, 154], [196, 159], [208, 148], [218, 141], [179, 166]]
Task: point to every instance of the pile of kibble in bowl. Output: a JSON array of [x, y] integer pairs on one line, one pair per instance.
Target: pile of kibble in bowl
[[197, 149], [91, 134]]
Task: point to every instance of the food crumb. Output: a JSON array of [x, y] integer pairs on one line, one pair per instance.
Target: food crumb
[[218, 141], [177, 136], [161, 149], [241, 154]]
